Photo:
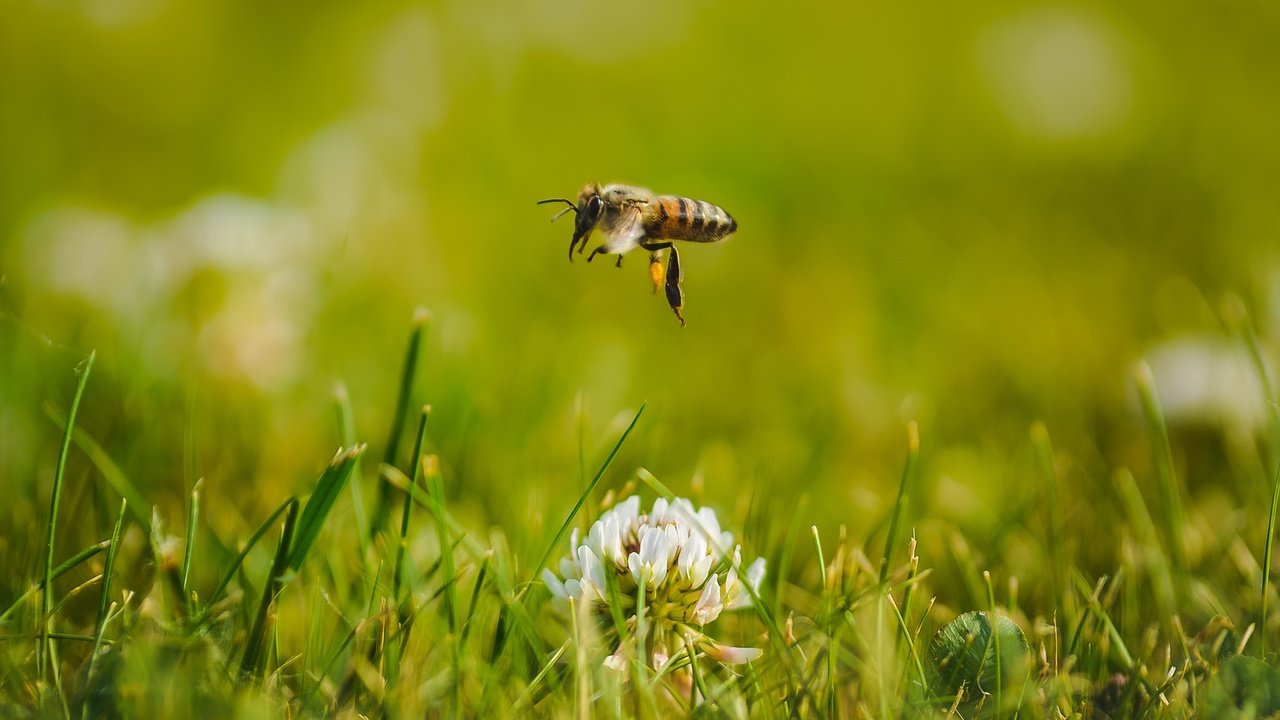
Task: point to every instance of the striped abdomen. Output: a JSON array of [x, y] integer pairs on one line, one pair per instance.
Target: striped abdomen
[[679, 218]]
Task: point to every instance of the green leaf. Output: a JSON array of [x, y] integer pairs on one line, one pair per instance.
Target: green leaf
[[968, 655], [1244, 687], [330, 484]]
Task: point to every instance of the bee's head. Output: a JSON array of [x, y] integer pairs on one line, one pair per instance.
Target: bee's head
[[589, 209]]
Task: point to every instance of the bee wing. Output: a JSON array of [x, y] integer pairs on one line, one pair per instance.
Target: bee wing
[[628, 230]]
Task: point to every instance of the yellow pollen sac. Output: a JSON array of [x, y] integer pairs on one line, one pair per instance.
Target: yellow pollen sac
[[656, 272]]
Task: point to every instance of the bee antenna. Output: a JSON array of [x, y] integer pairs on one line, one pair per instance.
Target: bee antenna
[[572, 207]]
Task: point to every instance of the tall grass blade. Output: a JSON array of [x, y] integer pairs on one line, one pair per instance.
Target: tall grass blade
[[407, 373], [139, 509], [1266, 563], [238, 563], [1051, 502], [406, 513], [900, 505], [1140, 521], [251, 662], [1237, 318], [435, 488], [63, 568], [586, 493], [328, 487], [1170, 497], [193, 514], [347, 429], [46, 647], [104, 600], [107, 570]]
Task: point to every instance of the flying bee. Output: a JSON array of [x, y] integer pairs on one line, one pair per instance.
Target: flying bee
[[632, 217]]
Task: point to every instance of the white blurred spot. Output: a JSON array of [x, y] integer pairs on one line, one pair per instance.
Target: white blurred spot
[[263, 255], [604, 32], [257, 333], [233, 232], [113, 14], [1058, 72], [356, 173], [586, 30], [1209, 380], [84, 252]]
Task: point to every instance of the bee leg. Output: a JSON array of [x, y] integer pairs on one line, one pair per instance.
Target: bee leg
[[655, 261], [675, 295], [599, 249], [619, 263]]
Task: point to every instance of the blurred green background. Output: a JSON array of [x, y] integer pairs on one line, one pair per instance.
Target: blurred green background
[[976, 215]]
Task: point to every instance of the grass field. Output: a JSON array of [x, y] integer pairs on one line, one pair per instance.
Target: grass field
[[976, 414]]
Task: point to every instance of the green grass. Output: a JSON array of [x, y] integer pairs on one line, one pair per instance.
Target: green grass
[[434, 617]]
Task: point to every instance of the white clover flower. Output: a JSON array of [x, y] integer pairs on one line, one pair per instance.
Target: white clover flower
[[679, 556]]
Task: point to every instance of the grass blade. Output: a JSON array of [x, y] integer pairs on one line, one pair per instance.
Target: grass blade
[[405, 515], [582, 499], [326, 492], [111, 472], [66, 566], [435, 488], [347, 429], [1144, 528], [1051, 501], [1266, 563], [407, 373], [193, 514], [1170, 498], [251, 662], [244, 553], [900, 505], [104, 601], [58, 476], [1237, 318]]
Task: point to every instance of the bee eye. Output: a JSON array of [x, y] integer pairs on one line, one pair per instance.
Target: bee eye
[[593, 206]]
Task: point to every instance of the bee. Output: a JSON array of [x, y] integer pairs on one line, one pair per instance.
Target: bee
[[632, 217]]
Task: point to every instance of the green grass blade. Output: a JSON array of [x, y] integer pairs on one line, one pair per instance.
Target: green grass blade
[[347, 429], [139, 508], [401, 600], [104, 601], [193, 514], [1237, 318], [1170, 497], [582, 498], [62, 569], [1266, 563], [107, 570], [244, 553], [328, 487], [822, 562], [58, 476], [900, 505], [1101, 615], [1051, 501], [406, 514], [435, 488], [407, 372], [514, 612], [251, 662], [1144, 528]]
